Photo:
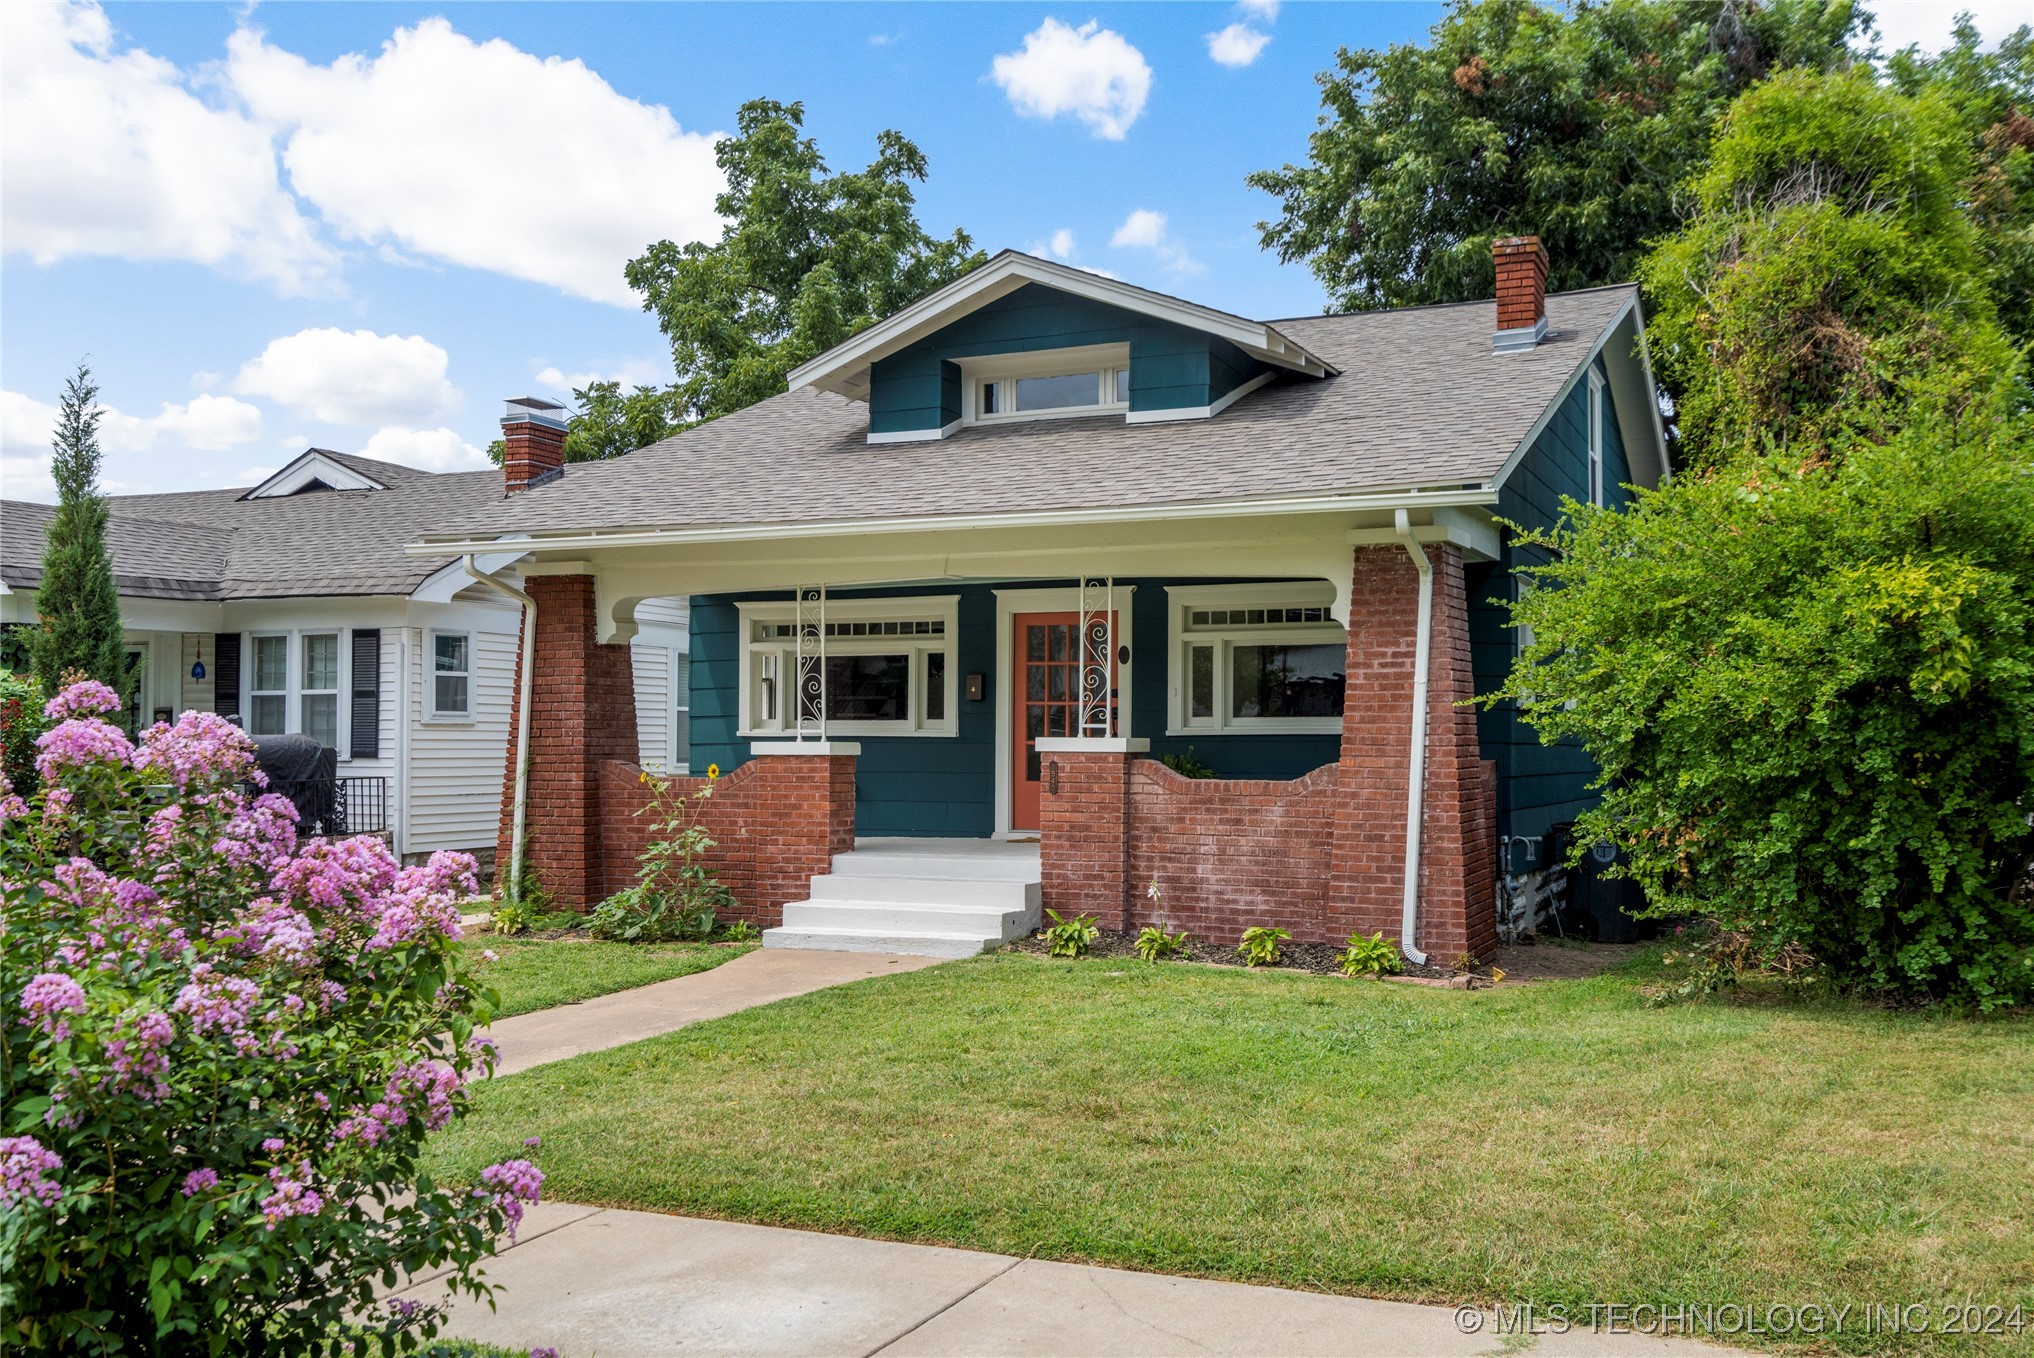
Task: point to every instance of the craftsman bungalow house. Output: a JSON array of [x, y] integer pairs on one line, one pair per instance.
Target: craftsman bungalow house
[[954, 594], [291, 607]]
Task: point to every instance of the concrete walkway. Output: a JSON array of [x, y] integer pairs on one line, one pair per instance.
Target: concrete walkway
[[754, 978], [610, 1284]]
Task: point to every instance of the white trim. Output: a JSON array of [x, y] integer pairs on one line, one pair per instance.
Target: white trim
[[1065, 599], [443, 584], [945, 607], [1183, 599], [844, 368], [1593, 416], [1092, 745], [1206, 412], [1629, 311], [766, 749], [312, 465], [432, 714], [1395, 497], [945, 431], [1008, 369]]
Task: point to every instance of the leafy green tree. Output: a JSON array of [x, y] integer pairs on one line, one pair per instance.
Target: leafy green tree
[[610, 422], [77, 600], [1830, 276], [1579, 124], [1809, 689], [807, 258]]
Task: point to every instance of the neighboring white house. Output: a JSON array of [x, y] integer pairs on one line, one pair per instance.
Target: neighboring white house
[[291, 607]]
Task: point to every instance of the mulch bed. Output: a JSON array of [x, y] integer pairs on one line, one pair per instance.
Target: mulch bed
[[1315, 958]]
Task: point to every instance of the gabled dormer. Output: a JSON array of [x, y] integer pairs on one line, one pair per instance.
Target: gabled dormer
[[1023, 338], [316, 469]]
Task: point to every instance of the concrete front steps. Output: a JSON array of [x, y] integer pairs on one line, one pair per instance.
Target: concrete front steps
[[923, 897]]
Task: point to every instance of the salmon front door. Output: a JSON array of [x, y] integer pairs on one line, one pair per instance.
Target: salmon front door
[[1047, 685]]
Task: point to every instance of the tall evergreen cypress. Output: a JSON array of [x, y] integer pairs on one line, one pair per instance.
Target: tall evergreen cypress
[[77, 601]]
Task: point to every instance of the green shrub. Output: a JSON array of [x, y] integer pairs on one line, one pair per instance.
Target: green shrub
[[510, 919], [741, 931], [1185, 765], [1070, 937], [1259, 947], [22, 720], [1809, 690], [1372, 956], [675, 894], [1154, 943]]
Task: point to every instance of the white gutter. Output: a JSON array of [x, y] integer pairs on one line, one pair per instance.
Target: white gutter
[[1482, 493], [526, 674], [1416, 788]]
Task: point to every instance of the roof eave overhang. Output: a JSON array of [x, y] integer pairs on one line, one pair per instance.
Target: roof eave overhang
[[844, 369], [1400, 497], [1631, 316]]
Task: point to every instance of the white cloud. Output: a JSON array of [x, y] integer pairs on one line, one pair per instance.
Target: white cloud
[[207, 424], [885, 39], [110, 152], [1147, 230], [435, 450], [1266, 10], [1237, 45], [1061, 244], [483, 155], [1090, 72], [1931, 23], [352, 377], [637, 372]]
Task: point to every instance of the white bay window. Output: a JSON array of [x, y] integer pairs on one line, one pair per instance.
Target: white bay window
[[888, 667], [1256, 658]]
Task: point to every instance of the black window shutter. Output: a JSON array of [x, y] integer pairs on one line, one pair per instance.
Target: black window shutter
[[226, 674], [366, 693]]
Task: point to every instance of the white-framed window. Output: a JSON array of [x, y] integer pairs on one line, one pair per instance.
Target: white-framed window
[[890, 667], [268, 687], [1595, 438], [1256, 658], [318, 690], [1091, 379], [451, 690]]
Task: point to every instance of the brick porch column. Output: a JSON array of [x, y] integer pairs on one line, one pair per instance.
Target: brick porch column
[[1084, 827], [582, 714], [804, 814], [1457, 901]]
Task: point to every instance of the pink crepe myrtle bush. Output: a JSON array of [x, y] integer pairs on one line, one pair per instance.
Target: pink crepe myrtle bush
[[221, 1051]]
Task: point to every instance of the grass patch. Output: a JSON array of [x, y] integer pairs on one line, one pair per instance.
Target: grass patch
[[1558, 1143], [537, 973]]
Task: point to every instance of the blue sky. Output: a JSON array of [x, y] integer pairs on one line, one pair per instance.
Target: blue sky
[[361, 226]]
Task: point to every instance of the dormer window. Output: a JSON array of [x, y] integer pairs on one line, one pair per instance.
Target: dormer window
[[1050, 384]]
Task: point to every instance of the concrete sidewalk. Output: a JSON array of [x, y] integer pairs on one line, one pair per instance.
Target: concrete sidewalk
[[610, 1284], [754, 978]]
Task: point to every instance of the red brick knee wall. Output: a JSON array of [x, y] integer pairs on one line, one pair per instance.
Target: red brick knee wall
[[776, 823], [1229, 854]]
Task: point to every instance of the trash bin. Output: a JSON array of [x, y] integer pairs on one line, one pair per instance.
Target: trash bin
[[1608, 903]]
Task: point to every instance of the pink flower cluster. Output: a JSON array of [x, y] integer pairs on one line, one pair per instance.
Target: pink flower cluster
[[201, 747], [25, 1165], [293, 1196], [47, 999], [80, 743], [12, 807], [198, 1180], [422, 1089], [139, 1054], [423, 902], [215, 1003], [343, 877], [514, 1184], [273, 930], [86, 698]]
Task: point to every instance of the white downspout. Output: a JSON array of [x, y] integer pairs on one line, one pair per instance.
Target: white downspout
[[526, 676], [1416, 792]]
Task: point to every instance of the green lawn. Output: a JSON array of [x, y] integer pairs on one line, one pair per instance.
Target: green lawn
[[1560, 1142], [536, 973]]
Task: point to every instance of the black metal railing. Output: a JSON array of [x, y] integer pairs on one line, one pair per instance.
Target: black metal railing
[[337, 806]]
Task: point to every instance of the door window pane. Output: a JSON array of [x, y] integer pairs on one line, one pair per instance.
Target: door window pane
[[1057, 393], [1287, 681], [868, 688]]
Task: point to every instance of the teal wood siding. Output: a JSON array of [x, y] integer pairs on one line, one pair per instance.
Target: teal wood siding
[[945, 785], [1538, 785], [1172, 367]]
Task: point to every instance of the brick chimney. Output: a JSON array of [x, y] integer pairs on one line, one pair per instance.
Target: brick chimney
[[534, 430], [1521, 293]]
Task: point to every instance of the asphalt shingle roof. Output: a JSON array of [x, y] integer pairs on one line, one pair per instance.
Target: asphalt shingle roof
[[214, 544], [1420, 401]]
